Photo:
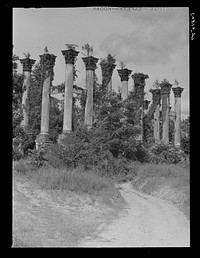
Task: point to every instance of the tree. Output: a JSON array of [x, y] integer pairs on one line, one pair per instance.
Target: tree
[[16, 97], [107, 66], [185, 135]]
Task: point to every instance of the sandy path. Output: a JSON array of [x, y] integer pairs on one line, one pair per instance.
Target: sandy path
[[147, 222]]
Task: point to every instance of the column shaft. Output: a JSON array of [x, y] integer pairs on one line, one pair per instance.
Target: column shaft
[[110, 85], [45, 106], [177, 137], [25, 104], [68, 100], [165, 119], [89, 101], [124, 90], [140, 136], [157, 124]]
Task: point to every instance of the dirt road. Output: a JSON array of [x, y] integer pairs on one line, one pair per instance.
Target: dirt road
[[147, 222]]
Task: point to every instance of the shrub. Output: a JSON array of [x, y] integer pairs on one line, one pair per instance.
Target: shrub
[[16, 154], [37, 157], [162, 153], [141, 154], [185, 144]]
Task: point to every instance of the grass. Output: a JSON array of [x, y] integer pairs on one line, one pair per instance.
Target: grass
[[175, 179], [77, 180], [36, 227], [73, 180]]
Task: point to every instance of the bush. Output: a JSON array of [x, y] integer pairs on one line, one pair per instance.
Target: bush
[[16, 154], [185, 144], [37, 158], [162, 153]]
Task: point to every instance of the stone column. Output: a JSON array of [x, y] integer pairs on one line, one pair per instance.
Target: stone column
[[47, 62], [165, 96], [27, 64], [156, 120], [139, 84], [177, 95], [124, 76], [70, 56], [90, 65]]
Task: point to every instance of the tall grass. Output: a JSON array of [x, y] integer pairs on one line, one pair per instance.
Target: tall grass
[[77, 180], [153, 177], [74, 180], [165, 170]]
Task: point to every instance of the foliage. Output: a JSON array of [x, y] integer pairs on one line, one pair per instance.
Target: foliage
[[107, 66], [162, 153], [88, 50], [17, 83], [37, 158], [71, 46], [185, 135], [108, 145], [171, 131], [185, 144]]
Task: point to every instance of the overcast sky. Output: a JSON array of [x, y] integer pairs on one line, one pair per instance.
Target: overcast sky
[[154, 42]]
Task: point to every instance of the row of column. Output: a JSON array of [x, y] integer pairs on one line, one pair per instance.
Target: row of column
[[163, 95], [48, 62]]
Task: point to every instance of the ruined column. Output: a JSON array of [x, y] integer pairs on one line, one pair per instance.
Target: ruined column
[[70, 56], [47, 62], [90, 65], [124, 76], [156, 120], [139, 84], [165, 97], [27, 64], [177, 95]]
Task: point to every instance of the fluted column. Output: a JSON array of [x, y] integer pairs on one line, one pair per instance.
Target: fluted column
[[27, 64], [156, 97], [177, 95], [139, 84], [90, 65], [124, 76], [70, 56], [47, 62], [165, 96]]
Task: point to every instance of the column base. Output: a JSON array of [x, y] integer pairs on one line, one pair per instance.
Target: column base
[[42, 140]]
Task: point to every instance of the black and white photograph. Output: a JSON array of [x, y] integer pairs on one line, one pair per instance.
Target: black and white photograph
[[101, 126]]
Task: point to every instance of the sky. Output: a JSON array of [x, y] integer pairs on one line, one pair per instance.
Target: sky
[[149, 41]]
